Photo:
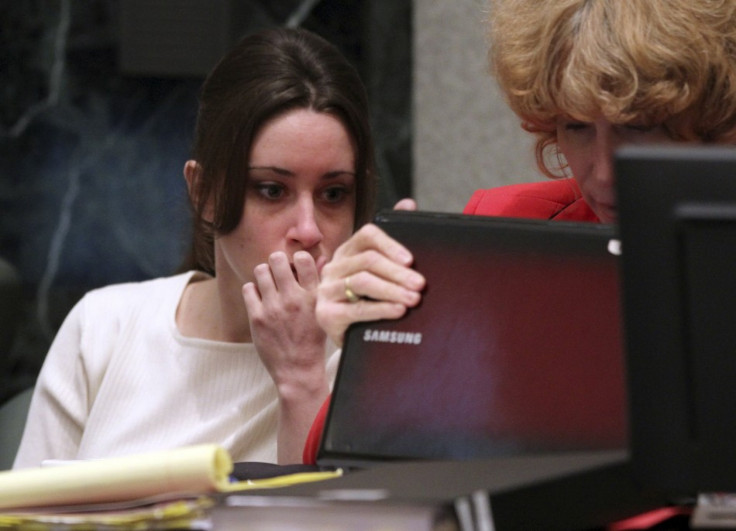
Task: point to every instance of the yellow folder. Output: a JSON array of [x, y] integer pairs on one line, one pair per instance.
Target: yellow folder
[[167, 490], [194, 469], [189, 470]]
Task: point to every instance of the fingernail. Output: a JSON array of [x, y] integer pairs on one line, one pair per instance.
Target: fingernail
[[403, 256], [413, 297], [415, 280]]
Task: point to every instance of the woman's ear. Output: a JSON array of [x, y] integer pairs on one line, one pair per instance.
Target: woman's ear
[[193, 176]]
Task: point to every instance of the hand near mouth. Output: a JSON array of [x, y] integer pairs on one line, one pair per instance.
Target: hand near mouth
[[280, 307], [281, 303]]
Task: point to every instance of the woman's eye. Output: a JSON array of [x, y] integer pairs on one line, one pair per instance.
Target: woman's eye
[[575, 126], [640, 128], [270, 190], [334, 194]]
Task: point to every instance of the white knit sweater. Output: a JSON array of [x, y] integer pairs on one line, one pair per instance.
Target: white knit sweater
[[120, 379]]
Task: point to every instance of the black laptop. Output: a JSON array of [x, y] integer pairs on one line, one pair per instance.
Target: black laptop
[[515, 350], [502, 395]]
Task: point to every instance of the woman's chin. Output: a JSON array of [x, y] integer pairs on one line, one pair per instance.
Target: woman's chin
[[607, 214]]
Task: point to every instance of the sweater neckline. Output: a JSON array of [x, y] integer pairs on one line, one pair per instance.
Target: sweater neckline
[[198, 342]]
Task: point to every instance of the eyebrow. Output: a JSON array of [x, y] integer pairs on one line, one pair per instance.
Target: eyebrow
[[287, 173]]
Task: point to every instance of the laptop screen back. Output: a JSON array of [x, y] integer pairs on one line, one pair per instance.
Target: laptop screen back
[[515, 348]]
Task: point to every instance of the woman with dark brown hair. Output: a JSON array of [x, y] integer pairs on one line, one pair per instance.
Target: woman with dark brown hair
[[228, 352]]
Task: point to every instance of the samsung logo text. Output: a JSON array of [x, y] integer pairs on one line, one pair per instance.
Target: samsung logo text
[[392, 336]]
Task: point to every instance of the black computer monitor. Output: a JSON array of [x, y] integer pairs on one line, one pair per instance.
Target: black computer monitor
[[677, 222]]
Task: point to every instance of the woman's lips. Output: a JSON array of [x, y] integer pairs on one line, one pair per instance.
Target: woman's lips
[[320, 262]]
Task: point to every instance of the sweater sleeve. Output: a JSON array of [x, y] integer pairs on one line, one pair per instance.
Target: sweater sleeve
[[314, 437], [59, 405]]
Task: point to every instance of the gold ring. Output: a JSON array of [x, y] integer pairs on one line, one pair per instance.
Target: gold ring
[[349, 293]]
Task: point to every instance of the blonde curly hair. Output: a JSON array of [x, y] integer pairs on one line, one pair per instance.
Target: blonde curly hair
[[669, 63]]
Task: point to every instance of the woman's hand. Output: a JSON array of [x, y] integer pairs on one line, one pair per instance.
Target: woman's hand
[[281, 314], [281, 311], [374, 267]]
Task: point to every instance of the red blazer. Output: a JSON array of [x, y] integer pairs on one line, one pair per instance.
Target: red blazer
[[558, 199]]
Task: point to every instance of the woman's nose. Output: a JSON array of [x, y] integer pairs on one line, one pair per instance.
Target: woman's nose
[[605, 146], [305, 228]]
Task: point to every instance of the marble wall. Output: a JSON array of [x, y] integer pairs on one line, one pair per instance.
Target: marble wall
[[96, 116], [465, 135]]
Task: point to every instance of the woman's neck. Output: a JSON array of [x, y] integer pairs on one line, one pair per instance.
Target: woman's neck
[[210, 310]]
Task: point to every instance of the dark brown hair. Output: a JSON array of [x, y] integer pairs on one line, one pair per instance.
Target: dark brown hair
[[267, 74]]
